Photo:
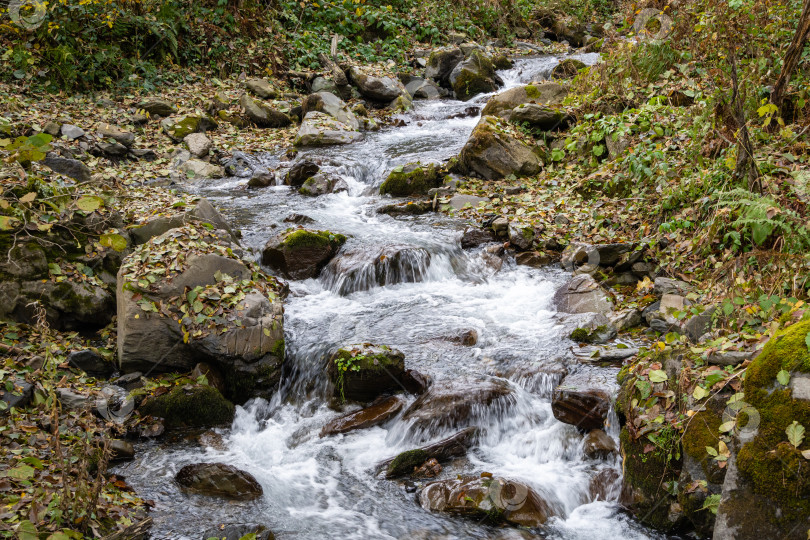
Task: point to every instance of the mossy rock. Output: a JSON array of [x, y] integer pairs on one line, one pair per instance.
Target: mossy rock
[[199, 406], [411, 179], [769, 456], [179, 129], [301, 253], [364, 371], [406, 462], [703, 430], [646, 478]]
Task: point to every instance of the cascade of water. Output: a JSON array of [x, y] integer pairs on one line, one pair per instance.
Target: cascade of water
[[407, 284]]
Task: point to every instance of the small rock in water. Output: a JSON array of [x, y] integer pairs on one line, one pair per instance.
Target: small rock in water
[[219, 480], [238, 531], [212, 439], [299, 219], [598, 445]]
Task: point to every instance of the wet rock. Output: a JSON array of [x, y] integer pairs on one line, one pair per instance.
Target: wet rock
[[262, 179], [441, 63], [599, 445], [321, 184], [198, 144], [663, 285], [121, 450], [474, 237], [567, 69], [494, 498], [261, 88], [429, 469], [583, 295], [475, 75], [361, 269], [409, 208], [300, 172], [263, 115], [190, 406], [332, 105], [540, 117], [605, 485], [299, 219], [232, 531], [18, 396], [406, 462], [91, 363], [219, 480], [546, 93], [362, 372], [212, 439], [415, 382], [109, 131], [584, 408], [158, 107], [319, 129], [72, 168], [535, 259], [521, 237], [454, 404], [500, 226], [411, 179], [301, 253], [376, 88], [373, 415], [493, 153]]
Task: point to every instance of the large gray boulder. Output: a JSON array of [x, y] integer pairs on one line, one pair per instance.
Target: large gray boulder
[[441, 63], [540, 117], [384, 89], [332, 105], [180, 296], [582, 294], [493, 153], [261, 88], [320, 129], [201, 211], [475, 75]]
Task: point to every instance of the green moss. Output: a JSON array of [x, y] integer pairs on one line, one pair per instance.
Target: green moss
[[304, 238], [648, 474], [769, 456], [703, 430], [405, 462], [532, 92], [278, 349], [412, 179], [202, 406], [583, 335], [309, 187]]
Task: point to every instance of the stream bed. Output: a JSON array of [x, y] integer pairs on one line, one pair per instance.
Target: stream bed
[[317, 488]]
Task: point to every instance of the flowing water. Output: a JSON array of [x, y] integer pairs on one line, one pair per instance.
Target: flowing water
[[429, 293]]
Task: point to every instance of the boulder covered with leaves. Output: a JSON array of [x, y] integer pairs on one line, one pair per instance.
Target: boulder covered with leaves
[[186, 296], [320, 129], [544, 93]]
